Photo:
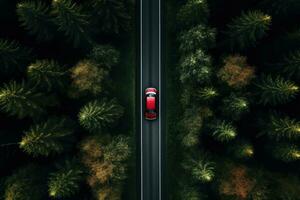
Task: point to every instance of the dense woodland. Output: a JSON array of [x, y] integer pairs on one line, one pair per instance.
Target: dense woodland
[[237, 67], [61, 133]]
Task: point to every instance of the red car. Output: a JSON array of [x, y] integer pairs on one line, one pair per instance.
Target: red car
[[151, 104]]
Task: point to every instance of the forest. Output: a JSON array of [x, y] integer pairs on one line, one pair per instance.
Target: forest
[[63, 67], [236, 133]]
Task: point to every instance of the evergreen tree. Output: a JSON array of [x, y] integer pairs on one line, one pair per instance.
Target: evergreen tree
[[223, 131], [192, 13], [279, 127], [71, 20], [207, 94], [118, 150], [47, 74], [34, 16], [26, 184], [203, 171], [276, 91], [99, 114], [285, 152], [291, 64], [21, 101], [12, 55], [235, 106], [242, 150], [199, 37], [112, 15], [196, 67], [65, 182], [48, 138], [190, 193], [246, 30], [105, 55]]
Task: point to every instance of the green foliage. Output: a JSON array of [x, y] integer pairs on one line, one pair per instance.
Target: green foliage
[[234, 106], [71, 20], [276, 91], [193, 13], [111, 15], [26, 184], [196, 67], [105, 55], [118, 150], [223, 131], [242, 150], [203, 171], [47, 74], [20, 100], [87, 77], [207, 94], [99, 114], [34, 17], [65, 182], [291, 64], [12, 55], [279, 127], [199, 37], [50, 137], [285, 152], [246, 30], [190, 193]]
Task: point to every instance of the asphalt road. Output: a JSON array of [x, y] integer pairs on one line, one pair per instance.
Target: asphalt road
[[150, 76]]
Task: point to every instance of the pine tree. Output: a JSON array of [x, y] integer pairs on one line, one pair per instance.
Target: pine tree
[[112, 15], [50, 137], [246, 30], [47, 74], [235, 106], [276, 91], [190, 193], [12, 55], [118, 150], [26, 184], [196, 67], [21, 101], [99, 114], [242, 150], [65, 182], [291, 64], [34, 17], [203, 171], [223, 131], [193, 13], [105, 56], [207, 94], [199, 37], [285, 152], [71, 20], [282, 127]]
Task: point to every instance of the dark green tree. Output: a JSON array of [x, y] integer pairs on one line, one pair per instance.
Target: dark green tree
[[112, 15], [118, 150], [99, 114], [207, 94], [20, 100], [50, 137], [105, 56], [282, 127], [242, 150], [27, 183], [192, 13], [65, 181], [71, 20], [246, 30], [12, 55], [276, 91], [47, 74], [34, 17], [195, 67], [285, 152], [234, 106], [223, 131], [291, 64], [190, 193], [199, 37]]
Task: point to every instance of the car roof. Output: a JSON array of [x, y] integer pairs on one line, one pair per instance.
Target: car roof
[[150, 103]]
